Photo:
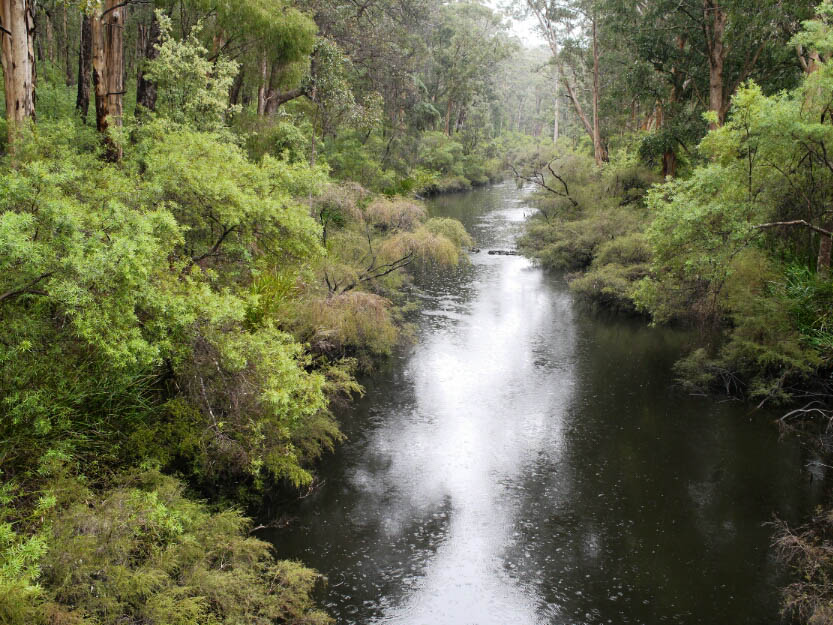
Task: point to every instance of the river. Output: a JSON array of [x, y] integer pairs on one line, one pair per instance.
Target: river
[[528, 462]]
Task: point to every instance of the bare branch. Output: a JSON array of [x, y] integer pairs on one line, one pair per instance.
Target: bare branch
[[795, 222], [26, 288]]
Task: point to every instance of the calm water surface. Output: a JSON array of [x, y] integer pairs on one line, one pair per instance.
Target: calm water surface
[[526, 462]]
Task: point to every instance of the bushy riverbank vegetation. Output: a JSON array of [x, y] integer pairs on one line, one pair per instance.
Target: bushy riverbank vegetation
[[713, 214], [735, 243]]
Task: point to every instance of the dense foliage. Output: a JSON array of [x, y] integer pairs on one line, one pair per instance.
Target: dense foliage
[[192, 273], [737, 244]]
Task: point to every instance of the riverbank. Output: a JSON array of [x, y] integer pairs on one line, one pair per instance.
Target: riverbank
[[176, 328], [618, 236]]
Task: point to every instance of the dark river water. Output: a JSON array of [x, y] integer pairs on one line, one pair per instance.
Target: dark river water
[[528, 462]]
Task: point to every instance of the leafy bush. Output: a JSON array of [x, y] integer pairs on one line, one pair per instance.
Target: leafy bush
[[140, 551]]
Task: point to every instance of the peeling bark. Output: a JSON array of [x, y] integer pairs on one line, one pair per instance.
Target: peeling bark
[[714, 26], [18, 59], [108, 70]]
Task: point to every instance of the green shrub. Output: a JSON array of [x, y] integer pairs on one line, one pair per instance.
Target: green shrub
[[610, 285], [142, 552]]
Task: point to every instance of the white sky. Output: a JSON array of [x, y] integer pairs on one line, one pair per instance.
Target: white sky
[[523, 29]]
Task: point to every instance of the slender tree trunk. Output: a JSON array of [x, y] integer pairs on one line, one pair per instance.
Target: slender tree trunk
[[99, 66], [146, 90], [825, 250], [448, 108], [272, 96], [115, 20], [50, 37], [599, 150], [18, 58], [669, 157], [85, 63], [141, 46], [591, 129], [69, 73], [518, 116], [234, 94], [669, 163], [714, 24], [314, 124], [263, 89], [556, 106]]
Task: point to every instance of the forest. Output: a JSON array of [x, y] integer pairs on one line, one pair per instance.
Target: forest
[[210, 212]]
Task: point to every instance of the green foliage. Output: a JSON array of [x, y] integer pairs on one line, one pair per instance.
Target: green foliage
[[440, 153], [192, 90], [618, 264], [589, 221], [810, 302], [720, 237], [20, 593], [143, 552], [152, 274], [282, 140]]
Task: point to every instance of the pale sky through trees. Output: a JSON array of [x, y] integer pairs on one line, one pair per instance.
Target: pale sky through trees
[[523, 29]]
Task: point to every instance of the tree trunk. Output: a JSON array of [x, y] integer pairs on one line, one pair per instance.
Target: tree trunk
[[99, 57], [313, 96], [448, 108], [272, 92], [234, 94], [599, 150], [555, 128], [69, 73], [50, 37], [114, 20], [714, 25], [825, 250], [669, 163], [461, 118], [669, 156], [588, 127], [145, 89], [263, 89], [85, 62], [108, 71], [18, 59], [518, 116]]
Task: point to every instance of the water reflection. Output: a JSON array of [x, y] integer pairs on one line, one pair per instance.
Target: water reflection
[[527, 463], [486, 399]]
